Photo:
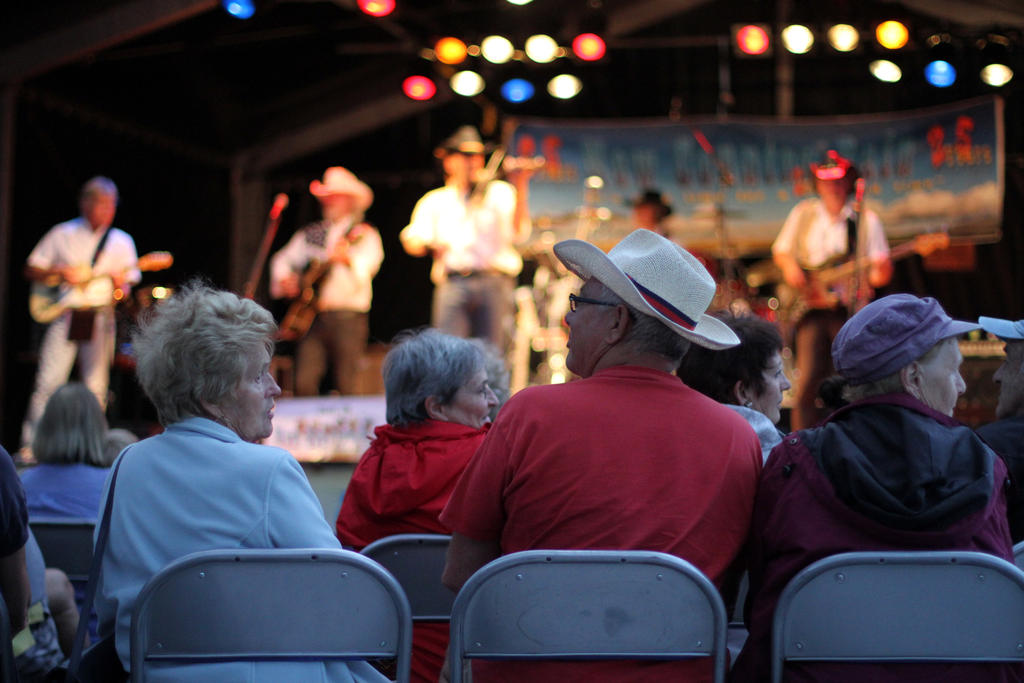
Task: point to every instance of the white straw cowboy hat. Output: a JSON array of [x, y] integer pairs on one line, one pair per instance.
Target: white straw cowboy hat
[[656, 277], [338, 180]]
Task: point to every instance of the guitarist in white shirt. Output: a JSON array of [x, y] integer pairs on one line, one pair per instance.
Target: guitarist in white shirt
[[86, 261], [817, 234], [329, 314]]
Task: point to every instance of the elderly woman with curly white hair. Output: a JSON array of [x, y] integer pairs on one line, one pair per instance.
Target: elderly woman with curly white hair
[[205, 482]]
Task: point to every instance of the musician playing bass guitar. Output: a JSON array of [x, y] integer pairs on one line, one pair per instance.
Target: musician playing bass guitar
[[327, 268], [82, 263], [821, 232]]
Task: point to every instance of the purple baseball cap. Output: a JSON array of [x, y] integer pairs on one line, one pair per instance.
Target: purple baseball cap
[[890, 333], [1004, 329]]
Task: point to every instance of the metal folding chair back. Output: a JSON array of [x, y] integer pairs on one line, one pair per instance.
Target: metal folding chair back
[[588, 605], [917, 606], [271, 605], [66, 544], [417, 561], [1018, 555]]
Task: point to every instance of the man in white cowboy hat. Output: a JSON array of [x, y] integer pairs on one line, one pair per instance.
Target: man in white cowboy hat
[[471, 227], [819, 232], [86, 261], [628, 457], [347, 252], [1006, 434]]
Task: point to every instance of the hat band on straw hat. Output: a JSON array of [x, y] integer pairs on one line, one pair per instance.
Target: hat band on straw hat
[[665, 308]]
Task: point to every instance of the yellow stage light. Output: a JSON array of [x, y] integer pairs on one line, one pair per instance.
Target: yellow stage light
[[892, 35], [450, 50], [843, 37]]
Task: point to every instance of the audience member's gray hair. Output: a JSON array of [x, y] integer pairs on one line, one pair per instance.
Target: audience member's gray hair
[[647, 334], [116, 441], [193, 349], [71, 429], [99, 185], [425, 363], [890, 384]]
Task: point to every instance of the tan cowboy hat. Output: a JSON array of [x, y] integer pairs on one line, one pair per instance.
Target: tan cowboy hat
[[657, 277], [338, 180], [465, 139]]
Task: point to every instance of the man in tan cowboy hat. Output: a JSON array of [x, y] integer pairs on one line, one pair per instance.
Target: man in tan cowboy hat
[[820, 232], [346, 253], [628, 457], [650, 209], [471, 227]]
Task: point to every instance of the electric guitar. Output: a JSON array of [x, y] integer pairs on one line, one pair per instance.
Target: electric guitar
[[824, 288], [46, 302]]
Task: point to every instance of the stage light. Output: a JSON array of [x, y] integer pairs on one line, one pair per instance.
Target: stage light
[[520, 2], [496, 49], [450, 50], [940, 73], [885, 71], [996, 75], [467, 83], [892, 35], [751, 39], [240, 9], [517, 90], [418, 88], [564, 86], [797, 39], [995, 55], [843, 38], [377, 8], [541, 48], [589, 47]]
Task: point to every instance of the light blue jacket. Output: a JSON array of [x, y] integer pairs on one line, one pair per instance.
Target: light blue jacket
[[195, 487]]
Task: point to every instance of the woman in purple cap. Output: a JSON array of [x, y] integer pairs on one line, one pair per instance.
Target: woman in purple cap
[[890, 471]]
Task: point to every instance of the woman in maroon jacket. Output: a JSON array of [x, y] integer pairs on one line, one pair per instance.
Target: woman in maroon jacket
[[890, 471], [438, 411]]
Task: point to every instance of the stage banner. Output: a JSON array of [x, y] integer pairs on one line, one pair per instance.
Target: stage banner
[[732, 181], [326, 429]]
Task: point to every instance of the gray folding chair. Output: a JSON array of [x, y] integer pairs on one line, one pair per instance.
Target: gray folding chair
[[901, 606], [588, 605], [66, 544], [417, 561], [1018, 555], [262, 605]]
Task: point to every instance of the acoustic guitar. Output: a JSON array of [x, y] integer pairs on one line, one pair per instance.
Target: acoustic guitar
[[824, 288], [47, 302]]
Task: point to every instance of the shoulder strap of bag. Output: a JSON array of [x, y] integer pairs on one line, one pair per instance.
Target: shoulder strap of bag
[[94, 576]]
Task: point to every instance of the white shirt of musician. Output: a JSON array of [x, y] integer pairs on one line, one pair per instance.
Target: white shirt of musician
[[814, 238], [73, 243], [346, 288], [471, 235]]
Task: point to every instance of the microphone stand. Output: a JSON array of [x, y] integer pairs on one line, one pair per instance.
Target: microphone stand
[[273, 220]]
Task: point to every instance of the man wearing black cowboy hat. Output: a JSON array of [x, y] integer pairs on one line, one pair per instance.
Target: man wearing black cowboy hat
[[471, 227], [817, 233], [650, 210]]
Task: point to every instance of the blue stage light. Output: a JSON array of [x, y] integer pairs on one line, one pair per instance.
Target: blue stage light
[[240, 9], [940, 73], [517, 90]]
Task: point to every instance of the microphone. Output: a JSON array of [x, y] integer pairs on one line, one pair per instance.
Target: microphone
[[859, 197], [280, 204]]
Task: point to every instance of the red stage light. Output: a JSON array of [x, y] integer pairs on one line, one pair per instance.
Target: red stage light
[[589, 47], [752, 40], [418, 88], [377, 8]]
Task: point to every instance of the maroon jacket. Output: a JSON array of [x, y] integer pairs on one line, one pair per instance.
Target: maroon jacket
[[932, 481]]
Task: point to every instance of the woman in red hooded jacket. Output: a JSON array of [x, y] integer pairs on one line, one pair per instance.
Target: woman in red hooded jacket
[[439, 407]]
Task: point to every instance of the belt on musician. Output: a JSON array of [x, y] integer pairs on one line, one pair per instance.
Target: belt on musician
[[474, 273]]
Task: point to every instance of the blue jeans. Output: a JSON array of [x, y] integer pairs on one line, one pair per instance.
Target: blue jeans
[[477, 305]]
